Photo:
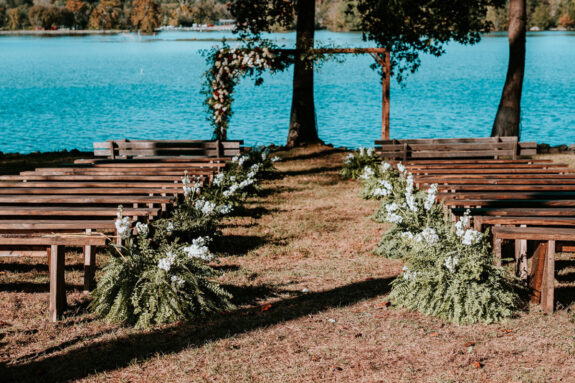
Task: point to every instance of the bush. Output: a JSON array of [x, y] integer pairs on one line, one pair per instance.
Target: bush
[[449, 271], [162, 275], [358, 162]]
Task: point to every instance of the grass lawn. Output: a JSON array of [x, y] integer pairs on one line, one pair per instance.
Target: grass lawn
[[312, 307]]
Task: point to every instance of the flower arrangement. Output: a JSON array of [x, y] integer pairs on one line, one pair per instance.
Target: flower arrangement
[[162, 274], [358, 162], [227, 65], [449, 271]]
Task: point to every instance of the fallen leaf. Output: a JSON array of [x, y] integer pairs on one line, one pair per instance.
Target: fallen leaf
[[338, 368], [477, 365], [506, 331], [266, 307], [434, 334], [358, 335], [386, 304], [469, 344]]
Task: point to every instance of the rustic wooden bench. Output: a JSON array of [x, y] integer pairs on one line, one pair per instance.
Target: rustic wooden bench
[[485, 147], [543, 272], [166, 148], [54, 248]]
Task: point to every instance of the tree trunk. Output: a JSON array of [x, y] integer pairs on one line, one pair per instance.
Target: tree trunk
[[509, 113], [302, 127]]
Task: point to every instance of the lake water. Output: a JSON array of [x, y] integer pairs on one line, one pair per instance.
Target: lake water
[[66, 92]]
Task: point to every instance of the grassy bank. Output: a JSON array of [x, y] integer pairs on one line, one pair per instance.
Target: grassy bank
[[312, 307]]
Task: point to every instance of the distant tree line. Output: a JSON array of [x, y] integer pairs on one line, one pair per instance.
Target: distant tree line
[[144, 15]]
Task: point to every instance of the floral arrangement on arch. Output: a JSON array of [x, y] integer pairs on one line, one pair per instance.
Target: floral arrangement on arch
[[227, 66], [449, 270]]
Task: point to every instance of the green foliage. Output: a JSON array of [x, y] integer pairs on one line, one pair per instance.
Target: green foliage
[[449, 271], [356, 163], [146, 286], [145, 15], [162, 275]]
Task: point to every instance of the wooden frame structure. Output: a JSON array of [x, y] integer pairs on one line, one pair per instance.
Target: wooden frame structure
[[382, 57]]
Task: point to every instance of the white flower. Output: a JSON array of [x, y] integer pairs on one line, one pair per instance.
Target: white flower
[[241, 160], [225, 209], [385, 166], [170, 226], [370, 152], [218, 179], [450, 263], [367, 173], [177, 281], [411, 202], [428, 235], [245, 183], [255, 168], [232, 189], [407, 274], [142, 228], [199, 249], [383, 191], [236, 158], [275, 159], [471, 237], [394, 218], [461, 226], [167, 262], [207, 208], [391, 207], [361, 151], [401, 168], [123, 225], [431, 195], [406, 234], [349, 158]]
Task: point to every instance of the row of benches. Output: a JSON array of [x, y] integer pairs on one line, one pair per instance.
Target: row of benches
[[45, 210], [521, 199]]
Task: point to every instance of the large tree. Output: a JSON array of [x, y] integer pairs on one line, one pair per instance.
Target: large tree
[[406, 28], [508, 115], [145, 15]]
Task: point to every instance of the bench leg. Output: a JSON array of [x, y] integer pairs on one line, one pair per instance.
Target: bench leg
[[89, 266], [548, 288], [537, 266], [497, 250], [521, 259], [57, 282]]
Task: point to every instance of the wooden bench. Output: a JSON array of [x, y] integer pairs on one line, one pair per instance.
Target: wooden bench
[[487, 147], [543, 273], [54, 248], [166, 148]]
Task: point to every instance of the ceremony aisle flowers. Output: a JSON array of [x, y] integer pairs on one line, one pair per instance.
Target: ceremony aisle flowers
[[161, 273], [449, 271]]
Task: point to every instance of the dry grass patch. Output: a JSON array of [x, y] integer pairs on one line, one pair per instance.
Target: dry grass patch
[[311, 302]]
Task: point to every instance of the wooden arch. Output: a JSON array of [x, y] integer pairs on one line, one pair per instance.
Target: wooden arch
[[381, 55]]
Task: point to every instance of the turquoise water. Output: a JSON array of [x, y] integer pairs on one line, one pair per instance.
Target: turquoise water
[[66, 92]]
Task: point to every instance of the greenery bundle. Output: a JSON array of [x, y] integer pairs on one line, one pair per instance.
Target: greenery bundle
[[162, 274], [449, 271], [358, 162]]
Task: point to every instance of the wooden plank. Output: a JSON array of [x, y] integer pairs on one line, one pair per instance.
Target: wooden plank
[[90, 185], [536, 276], [534, 233], [48, 240], [518, 212], [477, 161], [114, 172], [475, 183], [91, 191], [89, 177], [548, 288], [490, 171], [492, 176], [52, 224], [483, 166], [57, 282], [528, 220], [509, 203], [492, 195], [506, 188], [74, 211], [462, 140], [80, 199]]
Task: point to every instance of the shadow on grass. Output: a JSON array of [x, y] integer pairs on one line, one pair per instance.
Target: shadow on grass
[[32, 287], [324, 153], [238, 245], [565, 294], [36, 267], [253, 212], [112, 354], [307, 172], [251, 295]]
